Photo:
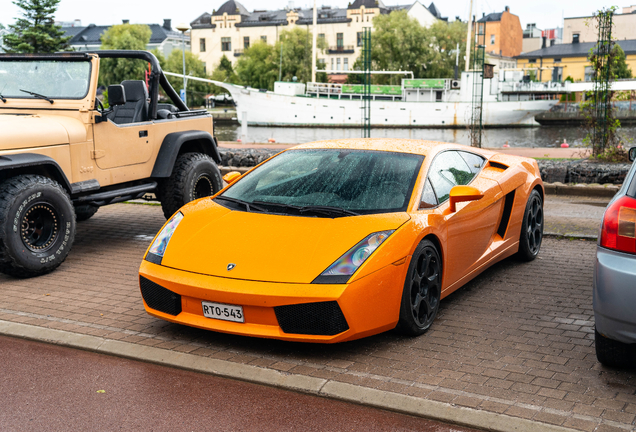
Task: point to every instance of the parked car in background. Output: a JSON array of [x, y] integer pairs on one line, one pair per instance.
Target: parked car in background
[[337, 240], [615, 278]]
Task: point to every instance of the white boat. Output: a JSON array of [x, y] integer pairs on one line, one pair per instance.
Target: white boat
[[424, 103]]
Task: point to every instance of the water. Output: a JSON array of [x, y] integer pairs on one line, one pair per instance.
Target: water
[[515, 137]]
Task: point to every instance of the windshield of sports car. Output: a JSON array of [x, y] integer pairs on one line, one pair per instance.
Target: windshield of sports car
[[327, 182], [44, 79]]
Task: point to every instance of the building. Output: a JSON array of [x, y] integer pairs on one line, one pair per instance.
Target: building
[[580, 29], [557, 62], [231, 29], [501, 62], [504, 36], [163, 37]]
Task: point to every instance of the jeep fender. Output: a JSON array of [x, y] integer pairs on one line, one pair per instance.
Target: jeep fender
[[33, 163], [195, 140]]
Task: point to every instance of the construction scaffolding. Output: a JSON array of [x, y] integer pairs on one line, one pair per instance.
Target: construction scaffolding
[[602, 85], [366, 82], [479, 56]]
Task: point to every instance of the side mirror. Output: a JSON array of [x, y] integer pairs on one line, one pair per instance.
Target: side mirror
[[632, 154], [462, 194], [116, 95], [231, 177]]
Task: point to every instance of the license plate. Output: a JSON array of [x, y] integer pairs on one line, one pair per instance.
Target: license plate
[[223, 311]]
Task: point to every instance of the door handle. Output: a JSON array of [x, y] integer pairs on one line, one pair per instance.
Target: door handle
[[143, 134]]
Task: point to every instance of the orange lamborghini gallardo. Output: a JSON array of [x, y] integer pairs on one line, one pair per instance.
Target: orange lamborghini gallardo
[[337, 240]]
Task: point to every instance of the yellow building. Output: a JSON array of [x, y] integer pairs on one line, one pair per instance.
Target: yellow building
[[231, 29], [557, 62]]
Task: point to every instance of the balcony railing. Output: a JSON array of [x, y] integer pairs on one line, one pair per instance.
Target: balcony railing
[[344, 49], [238, 52]]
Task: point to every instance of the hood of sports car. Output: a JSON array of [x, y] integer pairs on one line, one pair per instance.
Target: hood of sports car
[[267, 247]]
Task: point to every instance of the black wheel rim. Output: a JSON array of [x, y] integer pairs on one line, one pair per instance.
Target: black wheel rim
[[39, 227], [203, 187], [534, 225], [425, 287]]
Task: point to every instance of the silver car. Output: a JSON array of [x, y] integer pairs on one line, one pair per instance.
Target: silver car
[[615, 278]]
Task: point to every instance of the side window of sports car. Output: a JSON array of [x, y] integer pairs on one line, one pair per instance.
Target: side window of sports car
[[474, 161], [429, 200], [447, 170]]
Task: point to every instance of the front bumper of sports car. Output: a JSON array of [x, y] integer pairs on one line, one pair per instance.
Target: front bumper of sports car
[[324, 313]]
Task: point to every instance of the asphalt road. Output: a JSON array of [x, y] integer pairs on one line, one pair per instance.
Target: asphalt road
[[53, 388]]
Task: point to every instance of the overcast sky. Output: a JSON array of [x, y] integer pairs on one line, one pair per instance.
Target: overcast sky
[[545, 13]]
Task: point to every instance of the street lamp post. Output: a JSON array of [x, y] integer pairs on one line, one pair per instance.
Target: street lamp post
[[183, 28]]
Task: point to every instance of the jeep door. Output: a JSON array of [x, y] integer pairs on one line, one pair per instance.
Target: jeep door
[[119, 145]]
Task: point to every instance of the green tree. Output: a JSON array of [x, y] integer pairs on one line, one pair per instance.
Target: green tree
[[35, 32], [621, 70], [256, 68], [224, 72], [445, 38], [123, 37], [196, 90]]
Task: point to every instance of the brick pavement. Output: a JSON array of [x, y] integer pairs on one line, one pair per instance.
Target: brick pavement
[[517, 340]]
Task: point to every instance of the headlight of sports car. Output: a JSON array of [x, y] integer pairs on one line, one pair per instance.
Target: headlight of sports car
[[341, 270], [158, 247]]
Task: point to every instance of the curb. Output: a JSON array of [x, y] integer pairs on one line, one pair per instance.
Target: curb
[[581, 190], [571, 236], [317, 386]]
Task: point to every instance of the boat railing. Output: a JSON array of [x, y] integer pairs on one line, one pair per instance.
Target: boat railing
[[324, 88], [529, 87]]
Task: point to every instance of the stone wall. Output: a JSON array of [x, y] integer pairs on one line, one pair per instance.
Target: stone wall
[[578, 171]]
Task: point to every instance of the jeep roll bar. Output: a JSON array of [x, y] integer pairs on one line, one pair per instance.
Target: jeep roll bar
[[157, 78]]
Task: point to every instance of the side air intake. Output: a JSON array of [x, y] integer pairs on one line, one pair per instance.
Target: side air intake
[[505, 217]]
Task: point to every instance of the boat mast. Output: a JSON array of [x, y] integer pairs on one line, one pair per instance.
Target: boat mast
[[468, 34], [313, 48]]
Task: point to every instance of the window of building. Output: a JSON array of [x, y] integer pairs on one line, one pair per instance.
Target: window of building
[[589, 73], [264, 39], [340, 40], [226, 44], [345, 64], [246, 42], [202, 45], [333, 62], [321, 36], [575, 38], [359, 39], [557, 60], [532, 60], [492, 39], [205, 70], [338, 63]]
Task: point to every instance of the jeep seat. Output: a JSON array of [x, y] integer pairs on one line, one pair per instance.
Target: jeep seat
[[136, 107]]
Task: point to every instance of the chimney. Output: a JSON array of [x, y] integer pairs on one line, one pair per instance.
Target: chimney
[[552, 42], [125, 21], [483, 14], [167, 24], [507, 9], [543, 45]]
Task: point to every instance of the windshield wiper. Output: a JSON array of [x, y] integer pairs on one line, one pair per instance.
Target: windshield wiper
[[38, 95], [248, 206], [323, 210], [329, 210], [2, 98]]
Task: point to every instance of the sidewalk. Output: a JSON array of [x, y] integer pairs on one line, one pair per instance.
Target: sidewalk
[[513, 350]]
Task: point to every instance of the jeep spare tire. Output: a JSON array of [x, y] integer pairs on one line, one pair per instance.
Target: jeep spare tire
[[37, 225], [194, 176]]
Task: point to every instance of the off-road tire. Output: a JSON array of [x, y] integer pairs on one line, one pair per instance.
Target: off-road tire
[[85, 212], [613, 353], [194, 176], [37, 225], [532, 228], [422, 291]]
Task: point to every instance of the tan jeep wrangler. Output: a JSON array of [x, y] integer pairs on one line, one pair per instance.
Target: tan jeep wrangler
[[62, 155]]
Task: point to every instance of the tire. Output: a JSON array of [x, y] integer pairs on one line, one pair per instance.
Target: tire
[[532, 228], [85, 212], [37, 225], [194, 176], [422, 291], [613, 353]]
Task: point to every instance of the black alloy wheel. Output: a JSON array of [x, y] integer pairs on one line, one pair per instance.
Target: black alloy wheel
[[39, 227], [531, 228], [422, 290], [203, 187]]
